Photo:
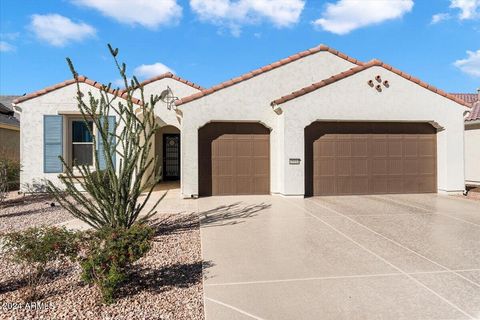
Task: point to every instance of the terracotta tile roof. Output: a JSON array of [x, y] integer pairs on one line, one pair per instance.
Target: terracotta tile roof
[[264, 69], [474, 113], [358, 69], [98, 85], [473, 99], [171, 75], [467, 97]]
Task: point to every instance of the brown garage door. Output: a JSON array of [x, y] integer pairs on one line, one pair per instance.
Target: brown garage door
[[370, 158], [234, 158]]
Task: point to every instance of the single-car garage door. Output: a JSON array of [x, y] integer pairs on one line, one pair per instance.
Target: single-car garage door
[[234, 159], [370, 158]]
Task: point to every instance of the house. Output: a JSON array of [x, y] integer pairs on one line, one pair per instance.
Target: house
[[9, 130], [472, 138], [316, 123]]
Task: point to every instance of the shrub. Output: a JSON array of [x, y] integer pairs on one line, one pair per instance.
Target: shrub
[[108, 254], [35, 249]]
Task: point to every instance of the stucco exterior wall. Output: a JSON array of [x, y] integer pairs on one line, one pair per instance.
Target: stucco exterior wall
[[10, 144], [249, 101], [352, 99], [472, 153], [61, 101]]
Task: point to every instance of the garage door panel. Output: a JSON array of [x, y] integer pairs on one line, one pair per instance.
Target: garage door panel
[[344, 185], [360, 147], [410, 166], [261, 166], [379, 166], [261, 185], [359, 185], [395, 184], [244, 185], [395, 147], [244, 166], [324, 187], [395, 166], [426, 147], [223, 185], [344, 167], [325, 148], [371, 158], [261, 146], [223, 166], [359, 166], [325, 167], [344, 148], [379, 147], [427, 166]]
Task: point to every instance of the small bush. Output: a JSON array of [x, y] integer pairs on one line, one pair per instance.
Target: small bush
[[109, 253], [13, 173], [36, 248]]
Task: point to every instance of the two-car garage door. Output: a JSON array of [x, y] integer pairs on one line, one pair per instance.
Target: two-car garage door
[[370, 158]]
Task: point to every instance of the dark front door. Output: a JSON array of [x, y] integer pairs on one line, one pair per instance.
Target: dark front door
[[171, 156]]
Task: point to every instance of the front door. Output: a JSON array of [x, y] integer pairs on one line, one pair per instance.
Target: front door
[[171, 156]]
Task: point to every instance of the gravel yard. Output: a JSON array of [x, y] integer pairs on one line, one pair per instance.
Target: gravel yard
[[20, 212], [165, 284]]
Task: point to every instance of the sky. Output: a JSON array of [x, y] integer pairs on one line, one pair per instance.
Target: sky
[[210, 41]]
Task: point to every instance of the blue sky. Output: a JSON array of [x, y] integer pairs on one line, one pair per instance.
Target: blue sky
[[209, 41]]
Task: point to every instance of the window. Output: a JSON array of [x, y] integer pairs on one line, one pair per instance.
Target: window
[[82, 143]]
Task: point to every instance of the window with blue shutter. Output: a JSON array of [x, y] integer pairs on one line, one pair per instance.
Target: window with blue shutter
[[100, 148], [52, 143]]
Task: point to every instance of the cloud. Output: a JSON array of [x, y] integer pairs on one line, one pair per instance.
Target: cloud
[[470, 9], [145, 71], [6, 47], [151, 70], [345, 16], [147, 13], [439, 17], [234, 14], [471, 64], [58, 30]]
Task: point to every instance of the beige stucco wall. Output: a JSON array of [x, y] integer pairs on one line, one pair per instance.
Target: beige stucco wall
[[352, 99], [472, 153], [248, 101], [9, 144]]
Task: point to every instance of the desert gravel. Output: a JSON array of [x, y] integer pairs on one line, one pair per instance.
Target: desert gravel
[[166, 284], [20, 212]]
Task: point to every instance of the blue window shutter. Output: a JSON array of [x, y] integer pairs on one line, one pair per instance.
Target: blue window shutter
[[52, 143], [101, 156]]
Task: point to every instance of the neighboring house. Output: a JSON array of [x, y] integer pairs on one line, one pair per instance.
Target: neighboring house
[[9, 130], [315, 123], [472, 138]]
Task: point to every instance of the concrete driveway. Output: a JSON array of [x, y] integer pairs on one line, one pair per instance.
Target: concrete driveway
[[355, 257]]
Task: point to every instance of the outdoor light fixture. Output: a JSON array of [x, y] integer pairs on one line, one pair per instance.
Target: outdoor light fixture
[[168, 97]]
